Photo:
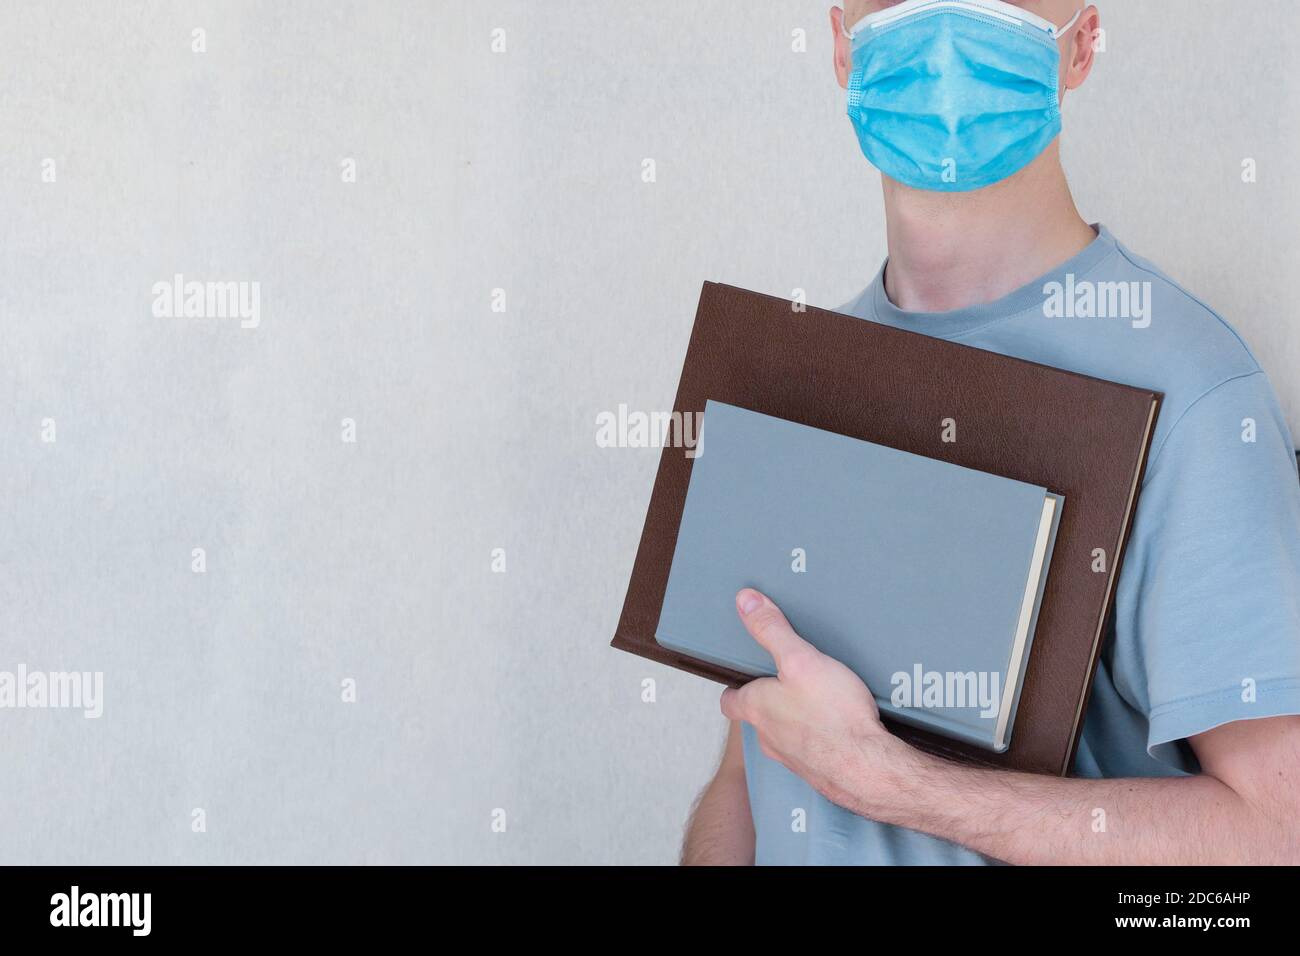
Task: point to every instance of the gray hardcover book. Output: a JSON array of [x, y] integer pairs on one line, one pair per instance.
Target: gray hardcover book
[[922, 576]]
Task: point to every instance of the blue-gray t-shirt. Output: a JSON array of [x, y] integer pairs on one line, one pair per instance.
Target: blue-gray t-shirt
[[1207, 610]]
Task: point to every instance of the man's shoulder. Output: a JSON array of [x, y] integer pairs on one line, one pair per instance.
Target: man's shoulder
[[1120, 317], [1215, 391], [1180, 334]]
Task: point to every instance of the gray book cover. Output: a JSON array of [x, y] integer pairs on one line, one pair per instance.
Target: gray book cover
[[922, 576]]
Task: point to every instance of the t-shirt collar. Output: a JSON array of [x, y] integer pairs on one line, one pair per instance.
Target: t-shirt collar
[[875, 304]]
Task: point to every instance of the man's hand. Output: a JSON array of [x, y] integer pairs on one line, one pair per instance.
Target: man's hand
[[816, 716], [819, 720]]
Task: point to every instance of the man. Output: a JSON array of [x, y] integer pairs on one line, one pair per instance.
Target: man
[[1190, 751]]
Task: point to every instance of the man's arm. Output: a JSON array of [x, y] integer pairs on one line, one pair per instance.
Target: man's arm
[[818, 719], [1243, 808], [721, 831]]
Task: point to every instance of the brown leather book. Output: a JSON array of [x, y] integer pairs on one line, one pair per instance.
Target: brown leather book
[[1084, 438]]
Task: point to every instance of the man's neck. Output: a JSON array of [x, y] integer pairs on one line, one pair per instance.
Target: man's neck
[[954, 250]]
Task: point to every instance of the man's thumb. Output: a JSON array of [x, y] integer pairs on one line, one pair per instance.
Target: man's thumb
[[767, 625]]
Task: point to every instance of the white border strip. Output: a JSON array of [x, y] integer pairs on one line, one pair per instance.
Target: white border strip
[[1013, 679], [993, 8]]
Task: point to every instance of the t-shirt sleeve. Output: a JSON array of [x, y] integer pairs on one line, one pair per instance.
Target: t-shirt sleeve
[[1208, 605]]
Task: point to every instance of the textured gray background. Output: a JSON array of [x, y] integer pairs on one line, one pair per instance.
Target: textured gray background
[[476, 429]]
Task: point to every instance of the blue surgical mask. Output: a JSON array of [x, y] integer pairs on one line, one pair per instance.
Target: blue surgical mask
[[954, 95]]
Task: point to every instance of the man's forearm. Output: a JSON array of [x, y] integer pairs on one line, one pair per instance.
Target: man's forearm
[[721, 831], [721, 828], [1028, 819]]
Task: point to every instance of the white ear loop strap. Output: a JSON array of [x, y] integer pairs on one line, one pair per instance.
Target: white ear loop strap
[[1056, 35]]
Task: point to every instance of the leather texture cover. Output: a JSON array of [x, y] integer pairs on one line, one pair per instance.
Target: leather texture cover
[[1082, 437]]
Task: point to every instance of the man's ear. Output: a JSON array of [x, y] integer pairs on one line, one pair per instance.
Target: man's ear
[[1082, 50], [842, 52]]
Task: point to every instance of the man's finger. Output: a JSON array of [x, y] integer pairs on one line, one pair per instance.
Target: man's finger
[[742, 703], [767, 625], [732, 704]]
